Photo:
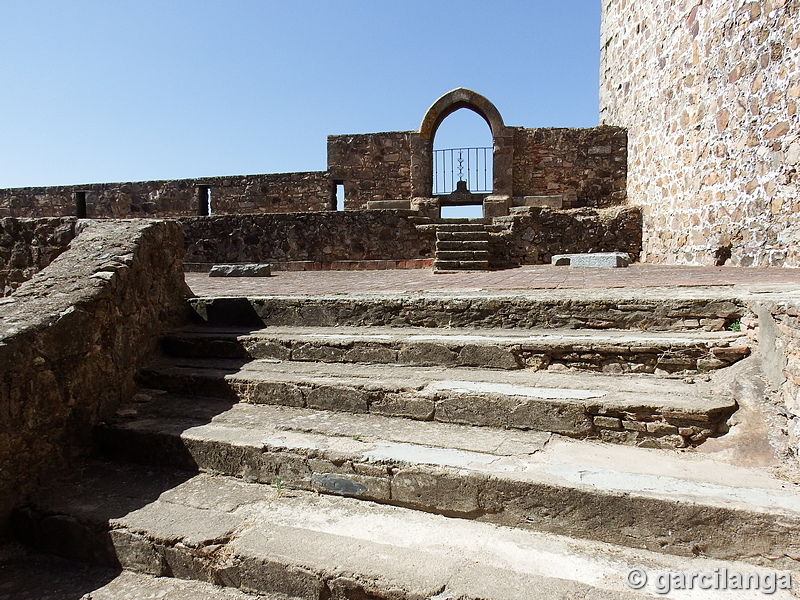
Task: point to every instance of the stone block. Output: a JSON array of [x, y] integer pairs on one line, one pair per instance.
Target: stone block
[[427, 353], [338, 398], [608, 423], [404, 405], [317, 353], [496, 206], [246, 270], [661, 428], [493, 357], [426, 207], [568, 418], [370, 355], [553, 201], [388, 204], [267, 392], [592, 259], [427, 489]]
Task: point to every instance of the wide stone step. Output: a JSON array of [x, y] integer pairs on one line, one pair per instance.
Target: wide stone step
[[450, 227], [571, 309], [467, 236], [626, 409], [441, 266], [608, 351], [268, 539], [465, 254], [664, 501], [461, 245]]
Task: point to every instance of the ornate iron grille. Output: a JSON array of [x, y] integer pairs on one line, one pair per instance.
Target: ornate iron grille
[[472, 165]]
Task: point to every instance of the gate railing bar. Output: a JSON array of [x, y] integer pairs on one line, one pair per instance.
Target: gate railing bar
[[472, 165]]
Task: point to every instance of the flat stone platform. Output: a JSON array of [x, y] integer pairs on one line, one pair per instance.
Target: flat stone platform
[[537, 277]]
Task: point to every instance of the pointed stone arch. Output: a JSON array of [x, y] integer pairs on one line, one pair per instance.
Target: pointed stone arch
[[422, 145], [456, 100]]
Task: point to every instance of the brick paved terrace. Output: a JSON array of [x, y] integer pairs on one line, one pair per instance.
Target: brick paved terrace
[[539, 277]]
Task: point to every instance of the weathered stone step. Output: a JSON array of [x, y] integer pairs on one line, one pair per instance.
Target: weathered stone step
[[626, 409], [450, 227], [467, 236], [572, 309], [460, 245], [267, 539], [608, 351], [41, 576], [632, 496], [441, 266], [465, 254]]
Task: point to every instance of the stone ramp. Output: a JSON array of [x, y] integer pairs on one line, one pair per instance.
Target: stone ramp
[[271, 540], [633, 409], [663, 501], [608, 351]]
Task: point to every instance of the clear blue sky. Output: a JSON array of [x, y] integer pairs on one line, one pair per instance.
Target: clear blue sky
[[127, 90]]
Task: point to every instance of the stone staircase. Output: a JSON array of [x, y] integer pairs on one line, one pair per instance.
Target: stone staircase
[[461, 246], [324, 448]]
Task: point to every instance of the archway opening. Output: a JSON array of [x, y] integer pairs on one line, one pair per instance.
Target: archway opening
[[463, 166]]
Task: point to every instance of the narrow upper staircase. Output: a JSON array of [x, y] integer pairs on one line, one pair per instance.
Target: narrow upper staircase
[[461, 247], [328, 449]]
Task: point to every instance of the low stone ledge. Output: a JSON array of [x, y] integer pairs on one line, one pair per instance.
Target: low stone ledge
[[335, 265], [72, 338], [246, 270], [592, 259]]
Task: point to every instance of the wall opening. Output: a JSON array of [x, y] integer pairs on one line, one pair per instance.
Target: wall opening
[[80, 205], [204, 200], [471, 211], [463, 165], [338, 195]]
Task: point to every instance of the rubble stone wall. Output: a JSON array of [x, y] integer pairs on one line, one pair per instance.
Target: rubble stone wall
[[390, 235], [372, 166], [320, 237], [587, 167], [28, 245], [281, 192], [708, 90], [534, 239], [72, 338]]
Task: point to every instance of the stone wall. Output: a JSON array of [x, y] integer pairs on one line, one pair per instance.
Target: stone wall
[[787, 319], [773, 327], [72, 338], [587, 167], [534, 239], [275, 193], [281, 192], [709, 93], [28, 245], [388, 235], [319, 237], [373, 166]]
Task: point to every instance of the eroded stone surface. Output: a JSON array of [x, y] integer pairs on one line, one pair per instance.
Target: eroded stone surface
[[74, 336], [306, 545], [562, 403]]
